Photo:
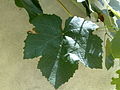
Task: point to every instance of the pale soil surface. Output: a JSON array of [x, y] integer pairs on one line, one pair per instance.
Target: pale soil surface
[[19, 74]]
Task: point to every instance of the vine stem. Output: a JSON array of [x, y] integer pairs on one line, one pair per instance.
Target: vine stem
[[67, 11]]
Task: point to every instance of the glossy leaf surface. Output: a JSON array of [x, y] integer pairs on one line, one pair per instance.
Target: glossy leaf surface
[[89, 48]]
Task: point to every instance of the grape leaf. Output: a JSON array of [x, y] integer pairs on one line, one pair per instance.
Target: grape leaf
[[116, 81], [56, 68], [47, 42], [109, 59], [116, 45], [60, 49], [89, 46], [32, 7], [48, 30], [60, 52]]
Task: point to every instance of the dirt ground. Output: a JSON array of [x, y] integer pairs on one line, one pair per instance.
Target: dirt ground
[[19, 74]]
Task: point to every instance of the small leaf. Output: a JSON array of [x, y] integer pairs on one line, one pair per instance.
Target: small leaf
[[116, 81], [32, 7], [109, 59], [87, 46], [116, 45]]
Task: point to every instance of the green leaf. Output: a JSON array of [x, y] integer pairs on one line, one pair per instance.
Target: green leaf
[[116, 45], [116, 81], [48, 42], [59, 50], [32, 7], [109, 59], [88, 46], [18, 3], [56, 68], [48, 30]]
